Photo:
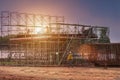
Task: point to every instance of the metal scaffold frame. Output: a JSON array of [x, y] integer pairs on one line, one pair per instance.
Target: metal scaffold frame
[[106, 54], [42, 40]]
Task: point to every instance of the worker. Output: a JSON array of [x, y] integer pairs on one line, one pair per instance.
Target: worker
[[70, 59]]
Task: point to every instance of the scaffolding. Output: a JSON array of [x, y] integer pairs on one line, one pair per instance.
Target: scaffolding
[[102, 53], [42, 40]]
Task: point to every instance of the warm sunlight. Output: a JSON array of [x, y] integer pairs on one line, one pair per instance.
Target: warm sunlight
[[39, 30]]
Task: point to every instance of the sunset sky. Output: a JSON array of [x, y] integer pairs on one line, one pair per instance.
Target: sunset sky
[[91, 12]]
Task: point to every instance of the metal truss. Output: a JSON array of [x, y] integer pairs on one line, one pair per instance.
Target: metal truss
[[37, 39]]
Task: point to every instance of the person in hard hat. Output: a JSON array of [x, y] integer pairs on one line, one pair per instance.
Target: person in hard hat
[[70, 59]]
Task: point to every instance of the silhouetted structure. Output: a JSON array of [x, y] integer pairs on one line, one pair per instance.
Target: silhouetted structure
[[43, 40]]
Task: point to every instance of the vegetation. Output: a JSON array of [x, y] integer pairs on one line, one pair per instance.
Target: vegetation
[[103, 36]]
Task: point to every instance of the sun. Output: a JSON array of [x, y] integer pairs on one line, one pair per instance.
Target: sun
[[39, 30]]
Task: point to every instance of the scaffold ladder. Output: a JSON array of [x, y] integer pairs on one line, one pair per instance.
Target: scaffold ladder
[[67, 48]]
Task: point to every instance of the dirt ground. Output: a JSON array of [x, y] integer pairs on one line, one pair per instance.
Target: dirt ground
[[58, 73]]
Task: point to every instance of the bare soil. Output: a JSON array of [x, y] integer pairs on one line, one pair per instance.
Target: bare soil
[[58, 73]]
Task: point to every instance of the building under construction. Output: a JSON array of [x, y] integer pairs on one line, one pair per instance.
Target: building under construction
[[43, 40], [101, 54]]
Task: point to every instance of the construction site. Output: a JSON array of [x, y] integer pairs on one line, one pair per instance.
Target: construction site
[[42, 40]]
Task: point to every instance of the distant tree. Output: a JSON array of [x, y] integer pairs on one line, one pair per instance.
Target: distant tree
[[103, 36]]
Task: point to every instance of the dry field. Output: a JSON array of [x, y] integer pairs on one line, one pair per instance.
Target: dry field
[[58, 73]]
